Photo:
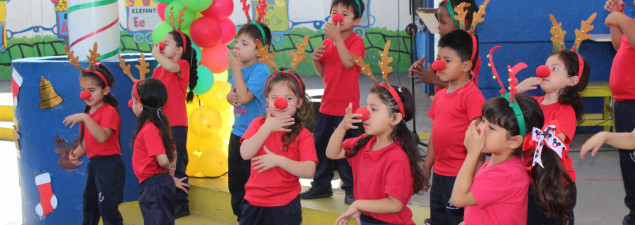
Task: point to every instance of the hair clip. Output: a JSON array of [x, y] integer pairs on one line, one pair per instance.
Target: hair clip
[[557, 37], [511, 94], [546, 137]]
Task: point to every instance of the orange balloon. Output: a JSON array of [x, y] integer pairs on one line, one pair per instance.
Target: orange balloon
[[215, 58]]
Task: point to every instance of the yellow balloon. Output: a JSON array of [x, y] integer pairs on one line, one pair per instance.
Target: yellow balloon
[[213, 163], [210, 142], [193, 164], [222, 76], [217, 96], [193, 141], [205, 121], [191, 106]]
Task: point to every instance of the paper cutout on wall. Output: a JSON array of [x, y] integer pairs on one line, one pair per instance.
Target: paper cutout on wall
[[48, 201], [48, 96], [64, 151]]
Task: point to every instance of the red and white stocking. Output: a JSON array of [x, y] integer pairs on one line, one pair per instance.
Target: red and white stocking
[[48, 201]]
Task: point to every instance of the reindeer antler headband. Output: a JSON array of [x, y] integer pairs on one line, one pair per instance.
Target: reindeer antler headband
[[385, 70], [557, 37], [93, 61], [178, 29], [510, 96], [142, 67], [260, 8], [296, 58]]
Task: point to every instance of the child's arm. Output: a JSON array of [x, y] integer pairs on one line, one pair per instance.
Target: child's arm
[[334, 149], [165, 62], [530, 83], [250, 146], [617, 140], [333, 31], [304, 169], [616, 34], [244, 95], [474, 142], [162, 160], [79, 152], [426, 75], [101, 134], [619, 20], [383, 206], [317, 54], [427, 165]]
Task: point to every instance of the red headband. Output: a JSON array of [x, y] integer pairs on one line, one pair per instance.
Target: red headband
[[94, 71], [290, 74], [580, 61], [394, 95], [183, 39], [136, 93]]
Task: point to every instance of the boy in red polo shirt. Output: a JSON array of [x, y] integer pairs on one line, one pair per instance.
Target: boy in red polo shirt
[[452, 110], [341, 87]]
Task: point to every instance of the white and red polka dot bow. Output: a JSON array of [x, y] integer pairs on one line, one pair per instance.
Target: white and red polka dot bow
[[546, 137]]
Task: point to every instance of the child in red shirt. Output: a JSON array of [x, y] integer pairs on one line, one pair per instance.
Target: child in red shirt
[[281, 150], [384, 159], [497, 194], [154, 155], [341, 86], [99, 135], [177, 71], [452, 110]]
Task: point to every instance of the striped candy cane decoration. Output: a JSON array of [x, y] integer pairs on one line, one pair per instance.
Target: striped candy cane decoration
[[91, 21]]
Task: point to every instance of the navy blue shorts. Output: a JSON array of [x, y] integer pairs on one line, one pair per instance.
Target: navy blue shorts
[[289, 214], [156, 199]]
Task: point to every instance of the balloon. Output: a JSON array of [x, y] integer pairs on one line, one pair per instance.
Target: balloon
[[161, 10], [222, 76], [205, 121], [193, 141], [191, 106], [213, 163], [217, 96], [188, 16], [220, 9], [229, 31], [215, 58], [205, 80], [206, 32], [164, 1], [193, 165], [197, 5], [160, 30], [214, 142], [199, 54]]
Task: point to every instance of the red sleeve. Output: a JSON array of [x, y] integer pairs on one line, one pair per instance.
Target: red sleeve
[[567, 123], [306, 146], [185, 69], [491, 186], [349, 143], [253, 128], [357, 47], [110, 118], [433, 107], [153, 142], [474, 104], [399, 180]]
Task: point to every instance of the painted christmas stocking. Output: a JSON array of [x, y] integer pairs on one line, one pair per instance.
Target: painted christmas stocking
[[48, 201]]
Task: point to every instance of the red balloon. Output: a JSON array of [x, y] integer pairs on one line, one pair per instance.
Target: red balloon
[[206, 32], [280, 103], [220, 9], [543, 71], [365, 113], [438, 65], [229, 31], [214, 58], [161, 10]]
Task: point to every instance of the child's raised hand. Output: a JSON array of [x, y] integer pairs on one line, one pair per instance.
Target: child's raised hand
[[156, 51], [614, 6], [351, 212], [75, 118], [274, 124], [350, 118], [318, 53], [474, 138], [265, 162], [593, 144], [528, 84], [178, 182], [332, 30], [232, 60], [615, 18]]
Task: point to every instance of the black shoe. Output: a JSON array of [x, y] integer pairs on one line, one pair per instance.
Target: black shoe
[[349, 198], [181, 211], [314, 193], [427, 221]]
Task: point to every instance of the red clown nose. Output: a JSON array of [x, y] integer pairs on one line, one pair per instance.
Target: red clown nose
[[280, 103], [438, 65], [337, 18], [85, 95], [543, 71], [130, 103], [161, 45], [365, 113]]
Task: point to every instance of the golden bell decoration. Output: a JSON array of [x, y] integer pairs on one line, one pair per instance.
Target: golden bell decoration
[[48, 96]]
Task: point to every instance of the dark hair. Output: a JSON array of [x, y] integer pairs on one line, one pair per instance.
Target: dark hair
[[461, 42], [470, 10], [253, 32], [153, 96], [109, 98], [302, 114], [571, 94], [190, 56], [400, 132], [350, 4]]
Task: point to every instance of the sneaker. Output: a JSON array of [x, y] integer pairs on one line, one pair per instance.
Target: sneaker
[[349, 198], [180, 211], [314, 193], [427, 221]]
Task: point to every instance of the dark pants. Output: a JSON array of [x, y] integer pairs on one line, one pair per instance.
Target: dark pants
[[289, 214], [369, 220], [180, 139], [104, 190], [536, 215], [156, 200], [237, 174], [442, 212], [625, 122], [324, 128]]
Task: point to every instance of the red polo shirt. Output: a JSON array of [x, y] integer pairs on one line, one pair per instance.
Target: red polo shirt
[[147, 146], [176, 85], [341, 85], [276, 186], [451, 114], [622, 78], [106, 116], [380, 173]]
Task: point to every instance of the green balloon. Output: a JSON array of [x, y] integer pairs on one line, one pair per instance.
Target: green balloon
[[198, 52], [160, 30], [165, 1], [197, 5], [188, 16], [205, 80]]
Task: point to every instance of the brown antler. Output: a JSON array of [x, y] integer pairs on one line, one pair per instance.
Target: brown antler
[[359, 61], [585, 26], [171, 19], [180, 17], [266, 56], [557, 34], [126, 69], [143, 67], [478, 16], [461, 12], [385, 60], [93, 58], [298, 56], [74, 60]]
